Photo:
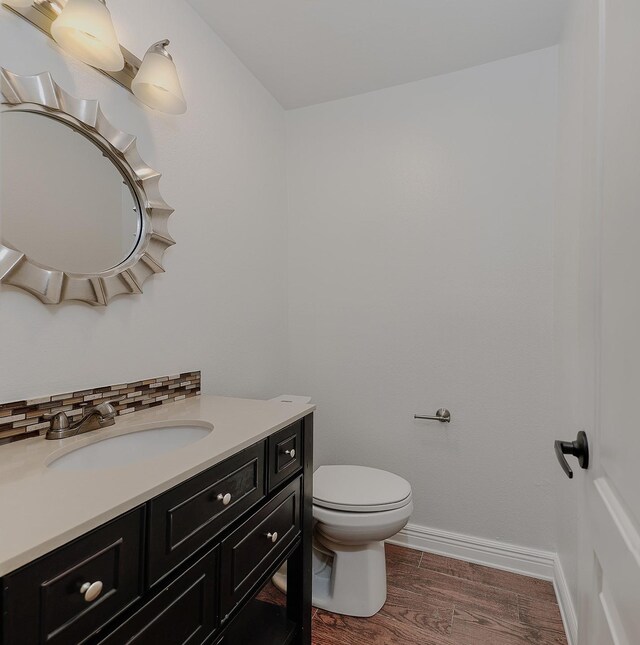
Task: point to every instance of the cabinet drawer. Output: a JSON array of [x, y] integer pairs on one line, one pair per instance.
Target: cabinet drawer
[[184, 613], [285, 454], [186, 517], [43, 602], [256, 545]]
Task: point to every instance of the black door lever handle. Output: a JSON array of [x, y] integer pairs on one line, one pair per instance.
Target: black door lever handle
[[578, 448]]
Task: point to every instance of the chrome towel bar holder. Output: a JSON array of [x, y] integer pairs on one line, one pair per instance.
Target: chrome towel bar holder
[[443, 415]]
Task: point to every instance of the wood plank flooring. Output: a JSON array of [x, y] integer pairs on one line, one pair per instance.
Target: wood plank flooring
[[433, 600]]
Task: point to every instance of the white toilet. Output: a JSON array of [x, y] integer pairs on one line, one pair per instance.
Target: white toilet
[[355, 509]]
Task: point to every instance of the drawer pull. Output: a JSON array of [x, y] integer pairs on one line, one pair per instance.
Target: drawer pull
[[273, 537], [91, 590], [225, 499], [291, 453]]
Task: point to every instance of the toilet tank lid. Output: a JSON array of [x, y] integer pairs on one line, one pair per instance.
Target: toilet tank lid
[[291, 398], [359, 488]]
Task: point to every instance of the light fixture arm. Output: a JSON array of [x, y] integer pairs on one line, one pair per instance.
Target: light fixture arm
[[160, 48]]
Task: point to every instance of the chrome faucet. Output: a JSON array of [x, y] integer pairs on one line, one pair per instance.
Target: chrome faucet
[[102, 415]]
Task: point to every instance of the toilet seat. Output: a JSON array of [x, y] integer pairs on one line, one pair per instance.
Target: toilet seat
[[359, 489]]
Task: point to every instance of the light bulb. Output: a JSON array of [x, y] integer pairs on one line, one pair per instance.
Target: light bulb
[[85, 30], [157, 84]]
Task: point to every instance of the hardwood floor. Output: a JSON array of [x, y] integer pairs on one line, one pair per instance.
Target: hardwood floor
[[434, 600]]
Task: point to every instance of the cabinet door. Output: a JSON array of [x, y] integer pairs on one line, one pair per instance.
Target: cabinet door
[[68, 595], [255, 546], [184, 613]]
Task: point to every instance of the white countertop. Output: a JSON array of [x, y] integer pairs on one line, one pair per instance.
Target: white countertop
[[43, 508]]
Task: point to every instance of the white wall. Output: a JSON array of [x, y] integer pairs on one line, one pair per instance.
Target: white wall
[[420, 266], [420, 276], [221, 305]]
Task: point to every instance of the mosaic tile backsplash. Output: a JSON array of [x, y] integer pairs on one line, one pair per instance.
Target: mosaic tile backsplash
[[23, 419]]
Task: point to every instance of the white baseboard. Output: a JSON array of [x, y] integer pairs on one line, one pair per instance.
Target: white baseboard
[[499, 555], [567, 608]]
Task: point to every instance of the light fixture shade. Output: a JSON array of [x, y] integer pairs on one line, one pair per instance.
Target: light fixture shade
[[157, 84], [85, 30]]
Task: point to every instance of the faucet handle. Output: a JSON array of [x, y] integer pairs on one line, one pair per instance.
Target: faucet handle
[[113, 402], [105, 411], [107, 408], [104, 407], [59, 427], [59, 420]]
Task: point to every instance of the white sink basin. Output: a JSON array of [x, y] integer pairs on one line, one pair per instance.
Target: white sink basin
[[126, 449]]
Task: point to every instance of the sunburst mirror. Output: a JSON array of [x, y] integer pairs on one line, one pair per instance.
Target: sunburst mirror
[[81, 216]]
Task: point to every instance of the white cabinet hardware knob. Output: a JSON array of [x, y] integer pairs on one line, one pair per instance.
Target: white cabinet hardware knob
[[273, 537], [291, 453], [225, 499], [91, 590]]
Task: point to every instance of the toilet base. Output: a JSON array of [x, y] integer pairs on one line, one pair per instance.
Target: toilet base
[[355, 582], [279, 579]]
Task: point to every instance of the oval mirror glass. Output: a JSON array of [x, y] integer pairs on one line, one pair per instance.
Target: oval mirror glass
[[63, 202]]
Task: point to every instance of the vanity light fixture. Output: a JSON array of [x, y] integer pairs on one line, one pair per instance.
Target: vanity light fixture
[[85, 30], [19, 4], [157, 84]]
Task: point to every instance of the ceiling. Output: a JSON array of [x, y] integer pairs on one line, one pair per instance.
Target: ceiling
[[310, 51]]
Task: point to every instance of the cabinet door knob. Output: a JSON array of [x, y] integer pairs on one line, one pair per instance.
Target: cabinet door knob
[[225, 499], [91, 590], [291, 453], [273, 537]]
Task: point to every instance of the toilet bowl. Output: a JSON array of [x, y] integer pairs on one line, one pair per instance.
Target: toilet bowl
[[355, 509]]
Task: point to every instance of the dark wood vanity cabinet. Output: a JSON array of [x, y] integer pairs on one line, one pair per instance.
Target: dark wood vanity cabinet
[[189, 515], [257, 544], [285, 454], [185, 611], [44, 602], [185, 568]]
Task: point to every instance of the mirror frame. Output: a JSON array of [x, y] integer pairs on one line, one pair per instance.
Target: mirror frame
[[40, 94]]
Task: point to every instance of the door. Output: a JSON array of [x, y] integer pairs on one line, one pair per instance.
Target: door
[[609, 586]]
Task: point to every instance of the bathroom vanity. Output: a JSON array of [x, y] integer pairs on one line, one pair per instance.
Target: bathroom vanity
[[170, 549]]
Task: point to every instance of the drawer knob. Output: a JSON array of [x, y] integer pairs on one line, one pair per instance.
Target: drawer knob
[[91, 590], [291, 453], [225, 499], [273, 537]]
